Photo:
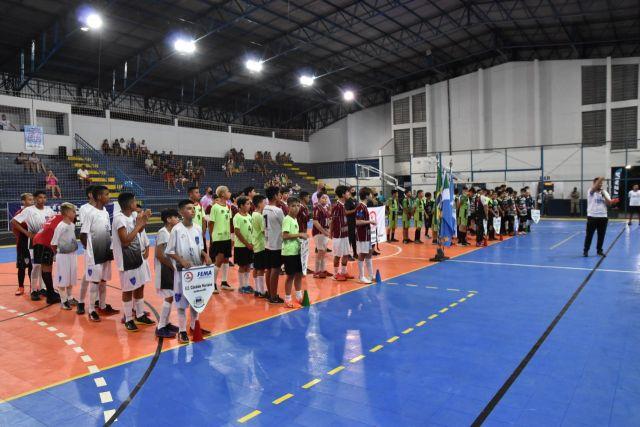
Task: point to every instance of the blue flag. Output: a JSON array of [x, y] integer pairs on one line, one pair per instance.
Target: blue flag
[[448, 222]]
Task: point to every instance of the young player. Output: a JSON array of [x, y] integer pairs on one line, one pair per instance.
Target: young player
[[303, 215], [291, 253], [521, 208], [233, 208], [34, 217], [531, 204], [186, 250], [634, 204], [472, 210], [418, 217], [23, 256], [260, 260], [82, 212], [220, 232], [95, 236], [407, 214], [284, 197], [43, 255], [194, 195], [321, 234], [392, 215], [463, 210], [429, 206], [482, 214], [65, 248], [164, 274], [273, 217], [363, 237], [340, 236], [243, 244]]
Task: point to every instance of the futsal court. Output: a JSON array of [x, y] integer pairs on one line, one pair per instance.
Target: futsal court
[[523, 332]]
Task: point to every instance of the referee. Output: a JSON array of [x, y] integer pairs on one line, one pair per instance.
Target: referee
[[597, 202]]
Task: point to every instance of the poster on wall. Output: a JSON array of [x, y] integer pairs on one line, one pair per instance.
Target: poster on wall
[[33, 138]]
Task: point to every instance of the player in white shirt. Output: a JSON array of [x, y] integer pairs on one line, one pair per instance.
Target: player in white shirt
[[95, 235], [186, 249], [164, 273], [65, 246], [634, 203], [82, 212], [597, 202], [127, 254], [34, 216]]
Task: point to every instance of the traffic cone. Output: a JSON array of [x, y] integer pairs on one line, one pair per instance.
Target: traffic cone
[[305, 299], [378, 278], [501, 237], [197, 333]]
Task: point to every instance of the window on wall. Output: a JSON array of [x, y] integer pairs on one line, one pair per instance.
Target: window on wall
[[13, 118], [624, 82], [401, 111], [593, 127], [53, 122], [624, 128], [418, 108], [594, 84], [419, 142], [402, 145]]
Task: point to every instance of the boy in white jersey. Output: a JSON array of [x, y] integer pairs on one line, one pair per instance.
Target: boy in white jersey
[[186, 249], [95, 236], [84, 284], [127, 253], [65, 246], [34, 216], [164, 273]]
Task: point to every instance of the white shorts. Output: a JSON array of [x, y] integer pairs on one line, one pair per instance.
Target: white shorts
[[321, 242], [99, 272], [66, 270], [363, 248], [341, 247], [165, 293], [147, 270], [131, 280]]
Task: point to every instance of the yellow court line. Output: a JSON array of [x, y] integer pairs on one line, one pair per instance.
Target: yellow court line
[[311, 383], [420, 323], [249, 416], [444, 310], [393, 339], [433, 316], [470, 295], [335, 370], [357, 358], [376, 348], [407, 331], [462, 300], [282, 399], [453, 304]]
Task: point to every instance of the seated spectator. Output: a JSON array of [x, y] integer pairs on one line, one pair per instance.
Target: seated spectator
[[35, 164], [115, 147], [83, 176], [52, 184], [228, 167], [5, 124], [189, 166], [143, 150], [22, 159], [150, 166], [169, 178], [182, 179], [105, 146], [123, 147], [132, 148]]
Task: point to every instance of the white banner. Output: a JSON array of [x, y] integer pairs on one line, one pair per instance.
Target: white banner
[[304, 255], [378, 231], [197, 286], [516, 225], [497, 223], [33, 138], [535, 215]]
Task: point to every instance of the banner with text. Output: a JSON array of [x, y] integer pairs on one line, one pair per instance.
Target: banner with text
[[33, 138], [197, 286], [378, 231]]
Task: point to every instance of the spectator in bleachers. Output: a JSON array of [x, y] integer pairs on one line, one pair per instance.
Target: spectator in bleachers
[[105, 146], [267, 157], [182, 178], [83, 176], [123, 147], [5, 124], [189, 166], [22, 159], [169, 179], [228, 167], [143, 150], [150, 166], [132, 148], [51, 182], [35, 164], [115, 147]]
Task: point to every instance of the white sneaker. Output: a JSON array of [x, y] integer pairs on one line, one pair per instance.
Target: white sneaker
[[365, 280]]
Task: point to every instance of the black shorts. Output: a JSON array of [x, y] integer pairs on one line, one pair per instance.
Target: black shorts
[[634, 209], [23, 256], [292, 264], [274, 259], [42, 255], [242, 256], [220, 247], [528, 214], [260, 260]]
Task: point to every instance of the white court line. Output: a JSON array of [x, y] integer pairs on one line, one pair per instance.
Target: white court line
[[565, 240], [557, 267]]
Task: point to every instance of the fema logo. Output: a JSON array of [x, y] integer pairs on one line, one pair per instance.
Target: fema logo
[[197, 240], [198, 302], [90, 272], [188, 276], [133, 281]]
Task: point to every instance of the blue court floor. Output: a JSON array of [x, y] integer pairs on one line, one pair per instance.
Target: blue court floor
[[430, 348]]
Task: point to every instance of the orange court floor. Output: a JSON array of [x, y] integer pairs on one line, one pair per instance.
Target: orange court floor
[[37, 355]]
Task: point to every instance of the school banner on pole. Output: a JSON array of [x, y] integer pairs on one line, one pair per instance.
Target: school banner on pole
[[197, 286], [304, 255], [378, 231], [33, 138]]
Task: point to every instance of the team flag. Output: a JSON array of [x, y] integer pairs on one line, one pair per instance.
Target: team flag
[[448, 213]]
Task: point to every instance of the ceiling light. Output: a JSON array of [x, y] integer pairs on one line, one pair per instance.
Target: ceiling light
[[306, 81], [348, 95], [184, 46], [255, 66], [94, 21]]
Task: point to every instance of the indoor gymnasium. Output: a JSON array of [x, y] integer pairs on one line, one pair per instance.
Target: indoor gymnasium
[[319, 213]]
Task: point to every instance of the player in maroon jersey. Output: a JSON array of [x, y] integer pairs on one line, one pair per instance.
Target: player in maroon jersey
[[363, 236], [321, 234], [340, 236]]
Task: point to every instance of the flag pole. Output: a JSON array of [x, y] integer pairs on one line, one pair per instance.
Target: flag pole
[[439, 256]]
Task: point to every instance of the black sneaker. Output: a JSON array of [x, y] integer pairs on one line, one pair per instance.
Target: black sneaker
[[165, 333], [53, 299], [172, 328], [585, 253], [183, 338], [276, 300], [73, 302], [602, 254], [256, 294], [96, 304], [225, 286], [93, 316], [80, 308], [35, 296], [143, 320], [65, 305], [130, 326], [43, 292]]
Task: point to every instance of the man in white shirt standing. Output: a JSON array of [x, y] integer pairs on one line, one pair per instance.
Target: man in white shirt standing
[[597, 202], [634, 203]]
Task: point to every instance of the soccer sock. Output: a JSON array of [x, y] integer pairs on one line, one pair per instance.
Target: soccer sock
[[225, 271], [182, 320], [164, 315], [48, 282], [287, 297], [299, 295], [35, 277], [343, 269], [93, 296], [369, 262], [102, 295], [64, 296], [318, 264], [215, 276], [128, 310], [247, 280], [194, 317], [84, 285], [21, 274], [336, 269], [416, 235], [139, 303], [29, 269], [361, 268]]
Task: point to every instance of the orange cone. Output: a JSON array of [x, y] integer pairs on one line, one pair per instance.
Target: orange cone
[[197, 333]]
